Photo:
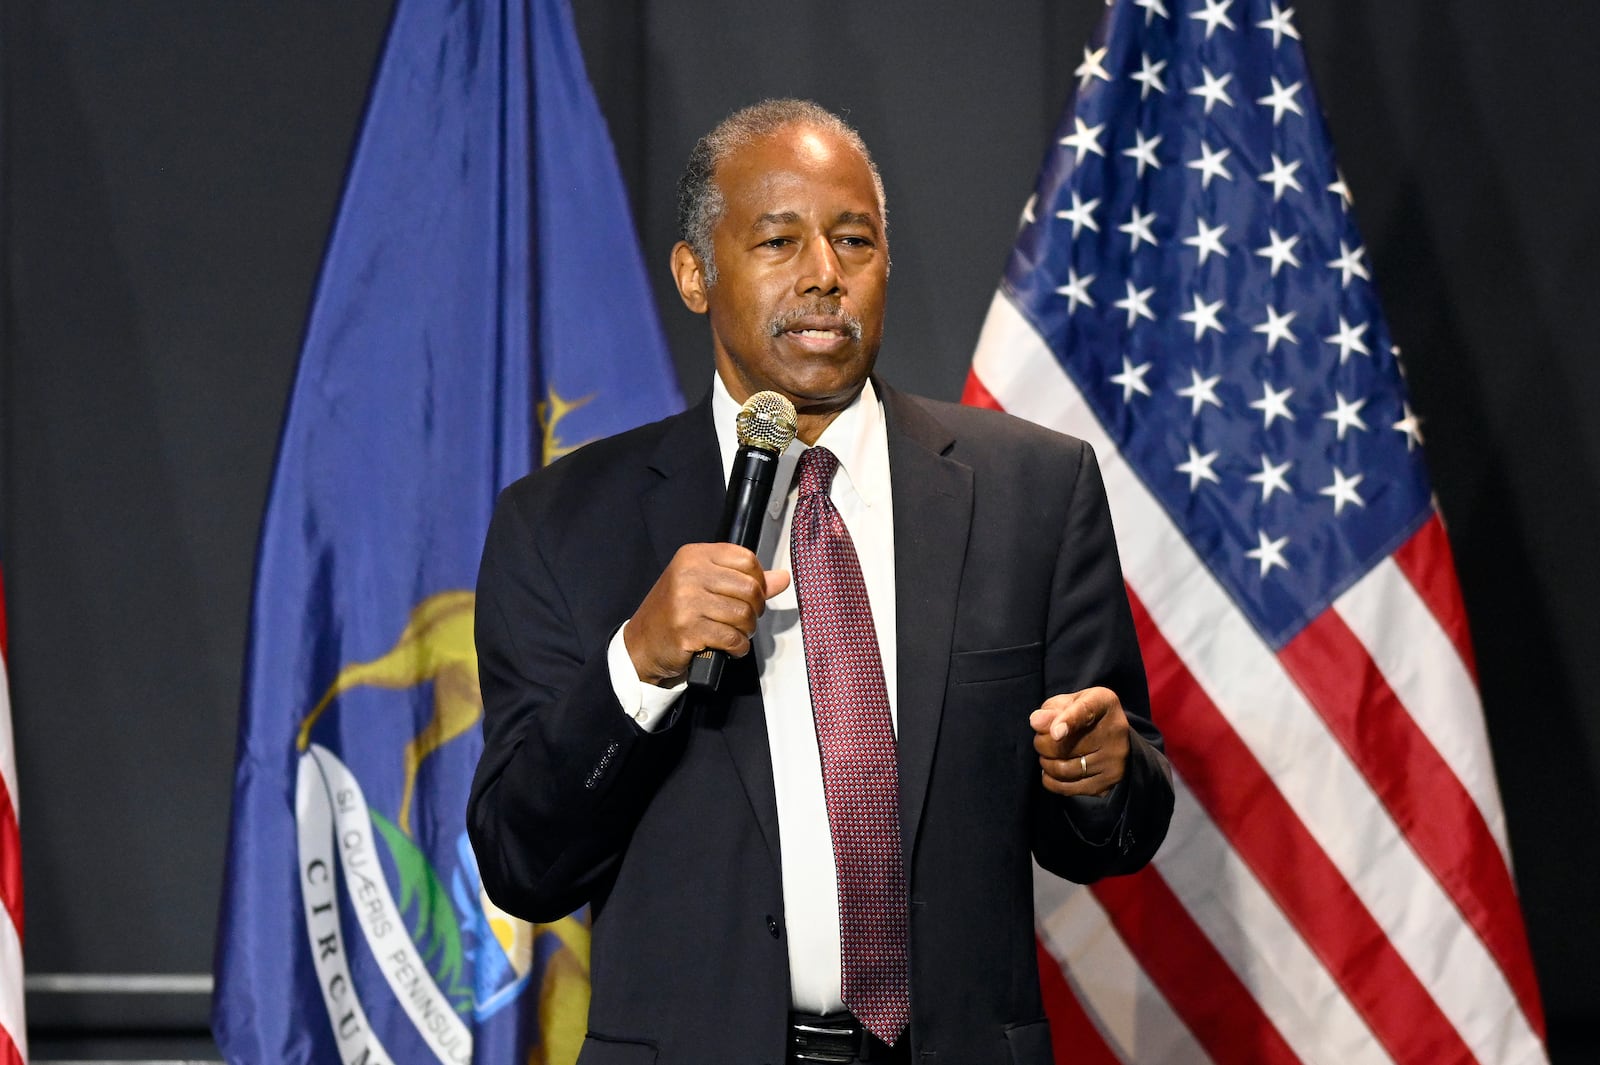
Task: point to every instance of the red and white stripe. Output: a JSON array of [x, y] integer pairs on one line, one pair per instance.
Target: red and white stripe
[[1336, 886], [13, 1031]]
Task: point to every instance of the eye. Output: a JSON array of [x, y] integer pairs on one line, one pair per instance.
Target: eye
[[856, 242], [776, 242]]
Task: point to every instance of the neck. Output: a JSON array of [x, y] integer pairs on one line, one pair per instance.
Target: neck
[[811, 416], [809, 425]]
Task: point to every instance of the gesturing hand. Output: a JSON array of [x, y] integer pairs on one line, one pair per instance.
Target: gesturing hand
[[1082, 740], [708, 597]]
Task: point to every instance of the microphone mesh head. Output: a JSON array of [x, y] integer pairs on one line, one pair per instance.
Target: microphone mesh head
[[766, 421]]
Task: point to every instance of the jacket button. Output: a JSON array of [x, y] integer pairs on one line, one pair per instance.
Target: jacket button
[[772, 925]]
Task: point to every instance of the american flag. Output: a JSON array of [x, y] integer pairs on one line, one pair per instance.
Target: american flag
[[1189, 292], [13, 1033]]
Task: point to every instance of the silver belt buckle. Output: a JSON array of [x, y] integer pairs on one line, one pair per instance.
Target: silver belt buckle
[[823, 1046]]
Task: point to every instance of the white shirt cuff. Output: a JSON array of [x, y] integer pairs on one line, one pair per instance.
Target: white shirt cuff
[[645, 703]]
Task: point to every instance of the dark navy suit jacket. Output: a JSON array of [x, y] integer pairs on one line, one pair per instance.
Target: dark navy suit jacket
[[1008, 589]]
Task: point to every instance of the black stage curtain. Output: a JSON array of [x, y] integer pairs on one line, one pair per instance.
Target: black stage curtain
[[170, 172]]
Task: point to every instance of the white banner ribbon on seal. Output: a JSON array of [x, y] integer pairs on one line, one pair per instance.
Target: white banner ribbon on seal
[[331, 806]]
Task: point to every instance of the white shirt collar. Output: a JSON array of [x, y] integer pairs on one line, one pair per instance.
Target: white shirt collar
[[857, 436]]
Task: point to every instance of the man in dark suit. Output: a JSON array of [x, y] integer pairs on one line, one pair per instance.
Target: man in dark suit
[[828, 859]]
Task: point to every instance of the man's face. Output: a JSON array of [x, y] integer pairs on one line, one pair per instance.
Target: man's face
[[801, 270]]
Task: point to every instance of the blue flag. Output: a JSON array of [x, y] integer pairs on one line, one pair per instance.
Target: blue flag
[[482, 307]]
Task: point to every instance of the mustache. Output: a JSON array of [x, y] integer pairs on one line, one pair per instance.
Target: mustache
[[813, 315]]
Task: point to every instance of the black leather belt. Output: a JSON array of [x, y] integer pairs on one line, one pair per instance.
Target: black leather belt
[[838, 1039]]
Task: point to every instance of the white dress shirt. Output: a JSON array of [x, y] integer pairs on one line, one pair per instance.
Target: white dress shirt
[[860, 491]]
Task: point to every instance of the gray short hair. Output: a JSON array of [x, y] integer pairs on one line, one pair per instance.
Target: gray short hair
[[700, 202]]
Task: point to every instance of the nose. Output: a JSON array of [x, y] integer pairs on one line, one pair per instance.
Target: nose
[[819, 268]]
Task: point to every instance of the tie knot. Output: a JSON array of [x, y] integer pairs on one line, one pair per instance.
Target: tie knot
[[816, 468]]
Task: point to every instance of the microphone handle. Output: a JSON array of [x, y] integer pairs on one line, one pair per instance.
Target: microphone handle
[[749, 490]]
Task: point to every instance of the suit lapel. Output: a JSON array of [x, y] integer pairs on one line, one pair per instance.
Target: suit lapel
[[932, 516], [684, 507]]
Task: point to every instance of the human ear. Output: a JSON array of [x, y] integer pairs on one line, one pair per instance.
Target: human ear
[[690, 277]]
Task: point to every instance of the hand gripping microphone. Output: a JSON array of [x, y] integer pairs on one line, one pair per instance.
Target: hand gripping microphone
[[766, 424]]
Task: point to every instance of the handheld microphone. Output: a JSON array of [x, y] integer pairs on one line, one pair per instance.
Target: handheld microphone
[[766, 425]]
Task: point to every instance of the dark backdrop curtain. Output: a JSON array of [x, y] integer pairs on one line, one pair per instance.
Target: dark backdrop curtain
[[170, 172]]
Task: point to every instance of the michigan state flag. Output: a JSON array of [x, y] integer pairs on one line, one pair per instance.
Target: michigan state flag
[[482, 308]]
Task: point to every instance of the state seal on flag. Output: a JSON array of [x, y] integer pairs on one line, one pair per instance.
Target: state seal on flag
[[394, 912]]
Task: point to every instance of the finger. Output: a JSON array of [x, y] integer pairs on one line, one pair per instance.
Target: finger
[[1085, 712], [711, 635], [1070, 722], [726, 569], [1095, 765], [1085, 774], [1055, 742], [731, 582], [710, 613], [734, 557], [735, 642], [1091, 786], [1073, 747], [1067, 776], [1068, 770], [1052, 710], [776, 581]]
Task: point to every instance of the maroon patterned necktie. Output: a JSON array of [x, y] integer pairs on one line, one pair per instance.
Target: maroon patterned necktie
[[859, 777]]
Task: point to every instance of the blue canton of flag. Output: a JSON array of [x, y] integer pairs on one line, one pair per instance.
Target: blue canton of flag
[[1192, 245], [482, 307]]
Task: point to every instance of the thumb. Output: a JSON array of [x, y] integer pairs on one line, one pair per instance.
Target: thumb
[[777, 580]]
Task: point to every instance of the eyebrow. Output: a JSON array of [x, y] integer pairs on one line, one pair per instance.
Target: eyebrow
[[779, 218], [789, 218]]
